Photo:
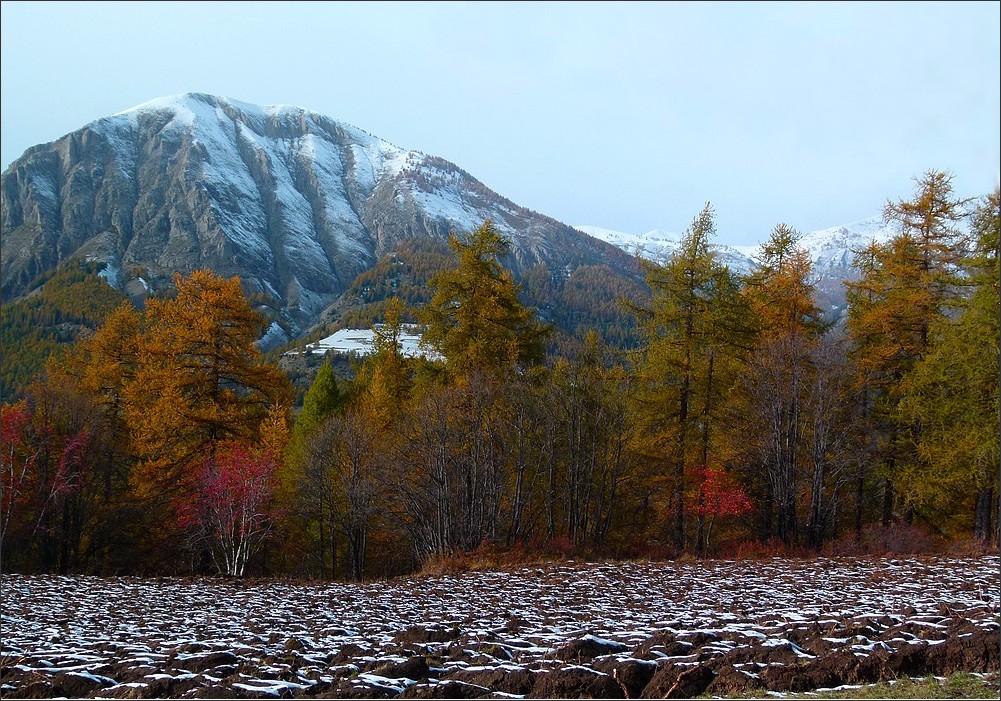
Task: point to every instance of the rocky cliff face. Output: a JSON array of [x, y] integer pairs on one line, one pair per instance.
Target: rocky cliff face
[[293, 202]]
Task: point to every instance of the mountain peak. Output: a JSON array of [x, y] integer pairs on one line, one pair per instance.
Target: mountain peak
[[192, 101], [196, 108], [295, 203]]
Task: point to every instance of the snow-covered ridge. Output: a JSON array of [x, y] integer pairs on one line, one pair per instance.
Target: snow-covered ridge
[[653, 245], [828, 248], [221, 123], [294, 202], [209, 113], [836, 247], [292, 140], [315, 173]]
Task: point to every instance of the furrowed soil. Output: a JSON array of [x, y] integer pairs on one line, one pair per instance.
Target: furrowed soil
[[566, 630]]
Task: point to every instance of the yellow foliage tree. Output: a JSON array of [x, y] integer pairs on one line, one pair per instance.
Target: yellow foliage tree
[[475, 319], [906, 288], [780, 296], [199, 380]]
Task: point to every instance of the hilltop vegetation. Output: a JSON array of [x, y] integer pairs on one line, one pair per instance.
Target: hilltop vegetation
[[591, 297]]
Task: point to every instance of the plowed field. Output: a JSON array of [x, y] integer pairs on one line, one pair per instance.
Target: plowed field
[[566, 630]]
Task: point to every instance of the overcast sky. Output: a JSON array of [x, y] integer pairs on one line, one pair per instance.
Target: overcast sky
[[628, 116]]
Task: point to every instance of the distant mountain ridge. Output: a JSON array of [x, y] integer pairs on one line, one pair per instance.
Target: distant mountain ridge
[[832, 251], [295, 203]]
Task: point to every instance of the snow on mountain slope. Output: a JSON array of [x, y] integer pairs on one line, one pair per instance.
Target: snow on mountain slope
[[241, 139], [658, 246], [834, 247], [829, 248], [654, 245], [293, 202], [832, 251]]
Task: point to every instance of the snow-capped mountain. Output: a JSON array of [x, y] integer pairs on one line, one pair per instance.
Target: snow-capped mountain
[[831, 250], [657, 245], [295, 203]]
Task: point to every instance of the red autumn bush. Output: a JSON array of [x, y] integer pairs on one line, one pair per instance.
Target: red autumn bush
[[232, 508]]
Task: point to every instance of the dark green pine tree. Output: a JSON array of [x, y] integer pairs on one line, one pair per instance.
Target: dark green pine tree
[[323, 398]]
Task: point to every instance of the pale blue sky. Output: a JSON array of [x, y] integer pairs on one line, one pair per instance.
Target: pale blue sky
[[628, 116]]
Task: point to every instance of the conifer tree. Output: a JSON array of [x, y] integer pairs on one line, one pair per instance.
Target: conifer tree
[[199, 380], [301, 483], [323, 399], [907, 287], [781, 298], [952, 394], [692, 332], [389, 373], [107, 361], [475, 320]]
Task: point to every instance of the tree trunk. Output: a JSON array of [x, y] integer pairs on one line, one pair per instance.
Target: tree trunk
[[64, 539], [700, 550], [522, 465], [322, 544], [816, 526], [859, 495], [333, 547], [887, 500], [996, 531], [678, 492], [870, 453], [767, 514], [982, 515]]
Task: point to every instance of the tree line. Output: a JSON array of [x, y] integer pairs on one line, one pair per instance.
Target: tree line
[[165, 442]]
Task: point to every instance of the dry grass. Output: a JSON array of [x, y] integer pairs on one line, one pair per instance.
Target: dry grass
[[896, 540]]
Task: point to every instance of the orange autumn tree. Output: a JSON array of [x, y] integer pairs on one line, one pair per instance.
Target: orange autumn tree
[[199, 382], [907, 286], [781, 298]]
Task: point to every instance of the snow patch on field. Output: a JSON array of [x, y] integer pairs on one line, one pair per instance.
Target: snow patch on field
[[290, 637]]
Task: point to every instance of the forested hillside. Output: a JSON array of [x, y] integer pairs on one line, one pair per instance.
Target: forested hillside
[[591, 297], [63, 305], [737, 421]]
